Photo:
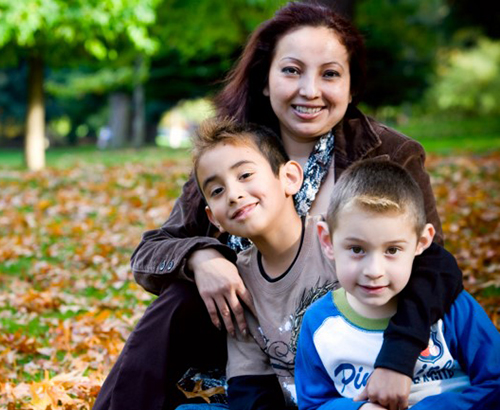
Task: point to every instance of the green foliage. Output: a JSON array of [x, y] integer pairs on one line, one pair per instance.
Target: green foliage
[[60, 30], [200, 29], [468, 80], [402, 38]]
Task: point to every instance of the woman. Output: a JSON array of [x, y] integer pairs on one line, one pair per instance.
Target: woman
[[294, 79]]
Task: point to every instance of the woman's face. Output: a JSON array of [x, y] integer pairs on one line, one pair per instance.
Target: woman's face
[[309, 83]]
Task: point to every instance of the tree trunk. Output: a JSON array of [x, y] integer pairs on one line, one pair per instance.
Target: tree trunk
[[34, 144], [139, 109], [343, 7], [119, 121]]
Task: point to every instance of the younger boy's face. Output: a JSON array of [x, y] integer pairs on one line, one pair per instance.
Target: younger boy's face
[[244, 196], [373, 255]]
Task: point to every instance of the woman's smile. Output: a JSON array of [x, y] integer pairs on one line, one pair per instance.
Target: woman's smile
[[309, 83]]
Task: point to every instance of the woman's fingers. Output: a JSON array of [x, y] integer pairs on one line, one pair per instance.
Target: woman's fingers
[[212, 311], [225, 313]]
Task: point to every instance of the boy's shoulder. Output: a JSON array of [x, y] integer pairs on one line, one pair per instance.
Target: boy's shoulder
[[322, 309], [247, 259]]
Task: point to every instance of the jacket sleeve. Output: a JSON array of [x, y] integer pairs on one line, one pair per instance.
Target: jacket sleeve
[[435, 283], [162, 253], [474, 341]]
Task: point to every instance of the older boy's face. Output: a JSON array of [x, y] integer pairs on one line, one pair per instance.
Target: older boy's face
[[373, 256], [244, 196]]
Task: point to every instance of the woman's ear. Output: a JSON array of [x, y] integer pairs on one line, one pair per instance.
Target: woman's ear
[[425, 239], [292, 175], [265, 91], [212, 219], [325, 239]]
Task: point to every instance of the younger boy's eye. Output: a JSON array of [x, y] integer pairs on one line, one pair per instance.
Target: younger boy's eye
[[357, 250], [392, 250]]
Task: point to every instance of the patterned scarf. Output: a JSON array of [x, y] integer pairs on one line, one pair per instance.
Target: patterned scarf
[[315, 173]]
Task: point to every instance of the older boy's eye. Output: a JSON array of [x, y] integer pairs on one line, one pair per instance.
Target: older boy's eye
[[215, 192], [246, 175], [392, 250]]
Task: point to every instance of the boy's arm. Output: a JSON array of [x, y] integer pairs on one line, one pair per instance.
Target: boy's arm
[[315, 388], [474, 341], [435, 283], [252, 383]]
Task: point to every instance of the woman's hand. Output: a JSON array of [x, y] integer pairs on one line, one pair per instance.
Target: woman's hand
[[387, 388], [221, 288]]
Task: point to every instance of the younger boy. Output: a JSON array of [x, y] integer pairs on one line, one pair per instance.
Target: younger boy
[[375, 226], [248, 183]]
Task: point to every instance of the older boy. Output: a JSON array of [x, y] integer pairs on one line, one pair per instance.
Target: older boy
[[248, 183], [375, 227]]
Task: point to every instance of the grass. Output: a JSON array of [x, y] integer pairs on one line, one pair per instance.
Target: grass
[[447, 136], [444, 136], [68, 157]]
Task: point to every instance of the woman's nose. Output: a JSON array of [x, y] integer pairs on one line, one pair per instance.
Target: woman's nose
[[309, 87]]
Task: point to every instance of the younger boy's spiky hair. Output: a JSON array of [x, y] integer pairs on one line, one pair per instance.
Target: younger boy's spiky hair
[[377, 186], [215, 131]]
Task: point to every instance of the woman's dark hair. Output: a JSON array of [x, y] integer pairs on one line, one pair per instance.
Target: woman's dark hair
[[243, 98]]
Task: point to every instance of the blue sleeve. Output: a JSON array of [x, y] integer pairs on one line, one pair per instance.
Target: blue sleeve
[[475, 342], [315, 388]]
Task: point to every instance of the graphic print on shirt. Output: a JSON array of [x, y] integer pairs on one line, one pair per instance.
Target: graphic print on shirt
[[281, 347], [436, 369]]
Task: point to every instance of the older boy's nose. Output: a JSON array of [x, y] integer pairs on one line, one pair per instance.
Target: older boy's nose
[[234, 194]]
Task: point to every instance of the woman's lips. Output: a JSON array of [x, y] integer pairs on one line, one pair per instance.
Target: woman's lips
[[307, 112]]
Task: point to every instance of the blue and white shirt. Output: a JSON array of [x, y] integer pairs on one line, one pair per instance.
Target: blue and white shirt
[[337, 351]]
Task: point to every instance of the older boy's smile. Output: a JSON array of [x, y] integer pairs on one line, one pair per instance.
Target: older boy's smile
[[242, 212], [243, 194]]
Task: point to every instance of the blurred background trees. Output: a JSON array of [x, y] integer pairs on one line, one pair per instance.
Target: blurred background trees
[[123, 73]]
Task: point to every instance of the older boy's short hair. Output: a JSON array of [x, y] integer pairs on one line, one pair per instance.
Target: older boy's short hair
[[215, 131], [378, 186]]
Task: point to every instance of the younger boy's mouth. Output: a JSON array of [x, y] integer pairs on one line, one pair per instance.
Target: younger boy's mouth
[[372, 289], [243, 211]]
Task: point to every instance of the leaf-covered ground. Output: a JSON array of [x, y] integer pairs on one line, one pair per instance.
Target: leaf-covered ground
[[67, 297]]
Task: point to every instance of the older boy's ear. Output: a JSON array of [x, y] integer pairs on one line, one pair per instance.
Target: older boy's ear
[[425, 239], [293, 177], [325, 239], [212, 219]]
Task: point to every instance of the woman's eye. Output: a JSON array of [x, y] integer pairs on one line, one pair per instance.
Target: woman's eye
[[331, 74], [392, 250], [357, 250], [290, 70]]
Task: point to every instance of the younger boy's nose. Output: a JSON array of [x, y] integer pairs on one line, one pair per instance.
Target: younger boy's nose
[[374, 267]]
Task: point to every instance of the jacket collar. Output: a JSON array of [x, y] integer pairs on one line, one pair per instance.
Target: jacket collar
[[355, 137]]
